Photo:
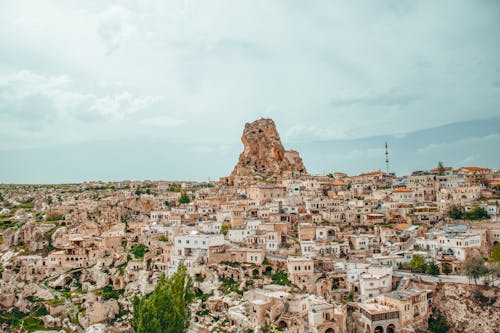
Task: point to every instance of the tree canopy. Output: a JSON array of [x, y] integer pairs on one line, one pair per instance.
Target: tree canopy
[[166, 309], [474, 267], [418, 264], [440, 168], [184, 198], [494, 257], [475, 213]]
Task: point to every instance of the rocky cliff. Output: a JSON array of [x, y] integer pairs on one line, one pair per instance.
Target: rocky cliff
[[263, 153], [468, 308]]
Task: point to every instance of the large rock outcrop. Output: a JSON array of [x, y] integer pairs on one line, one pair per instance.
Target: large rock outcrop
[[468, 308], [264, 155]]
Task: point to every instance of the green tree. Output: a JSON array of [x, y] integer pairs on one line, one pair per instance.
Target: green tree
[[224, 229], [432, 269], [456, 212], [438, 324], [476, 213], [418, 264], [280, 278], [474, 267], [139, 250], [184, 199], [494, 257], [440, 168], [166, 309], [446, 269]]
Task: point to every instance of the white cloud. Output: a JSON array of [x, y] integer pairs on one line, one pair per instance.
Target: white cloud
[[53, 104], [162, 121], [115, 27], [465, 143]]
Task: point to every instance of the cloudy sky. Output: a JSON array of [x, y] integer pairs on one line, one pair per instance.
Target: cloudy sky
[[162, 89]]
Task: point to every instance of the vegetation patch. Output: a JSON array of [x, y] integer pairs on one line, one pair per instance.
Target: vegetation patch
[[139, 250], [108, 293], [29, 322]]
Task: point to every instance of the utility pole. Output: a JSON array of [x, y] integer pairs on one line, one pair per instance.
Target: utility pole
[[386, 158]]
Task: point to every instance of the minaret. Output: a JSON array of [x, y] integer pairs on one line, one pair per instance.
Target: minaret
[[386, 158]]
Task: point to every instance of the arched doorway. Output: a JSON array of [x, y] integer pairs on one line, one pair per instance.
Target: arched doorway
[[330, 330], [282, 324], [379, 329], [391, 328], [255, 272]]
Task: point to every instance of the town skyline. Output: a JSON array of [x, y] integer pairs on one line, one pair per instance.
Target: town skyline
[[101, 90]]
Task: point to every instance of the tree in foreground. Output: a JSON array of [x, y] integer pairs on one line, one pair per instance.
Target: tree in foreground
[[166, 309]]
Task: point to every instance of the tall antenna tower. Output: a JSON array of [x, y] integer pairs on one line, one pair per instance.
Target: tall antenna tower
[[386, 158]]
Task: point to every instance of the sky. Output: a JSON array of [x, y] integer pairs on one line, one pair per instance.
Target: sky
[[113, 90]]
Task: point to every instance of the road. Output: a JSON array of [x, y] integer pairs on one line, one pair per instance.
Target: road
[[445, 278]]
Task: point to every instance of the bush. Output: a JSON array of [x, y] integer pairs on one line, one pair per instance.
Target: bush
[[438, 324], [163, 238], [280, 278], [109, 293], [139, 250]]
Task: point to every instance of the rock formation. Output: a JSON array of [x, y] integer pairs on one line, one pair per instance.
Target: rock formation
[[264, 155]]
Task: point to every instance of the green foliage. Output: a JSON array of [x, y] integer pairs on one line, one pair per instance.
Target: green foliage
[[280, 278], [163, 238], [109, 293], [432, 269], [440, 168], [329, 175], [229, 285], [26, 205], [438, 324], [475, 213], [418, 264], [54, 216], [174, 188], [446, 269], [494, 257], [28, 321], [203, 297], [184, 199], [139, 250], [166, 309], [456, 212], [231, 263], [224, 229]]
